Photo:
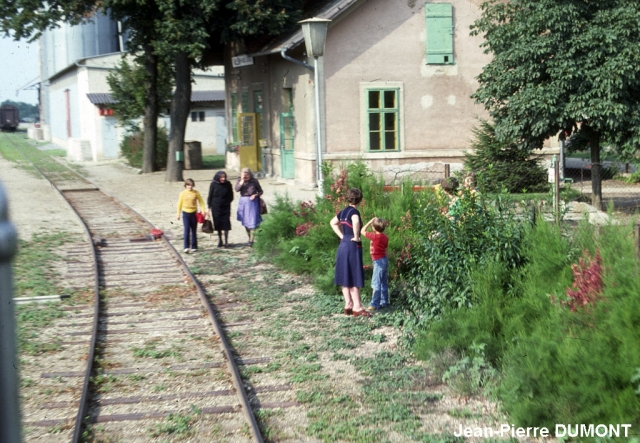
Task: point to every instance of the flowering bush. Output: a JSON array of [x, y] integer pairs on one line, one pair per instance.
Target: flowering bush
[[339, 189], [587, 284], [303, 228]]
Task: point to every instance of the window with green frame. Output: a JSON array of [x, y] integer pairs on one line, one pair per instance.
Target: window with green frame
[[383, 120], [234, 116], [257, 108], [245, 101]]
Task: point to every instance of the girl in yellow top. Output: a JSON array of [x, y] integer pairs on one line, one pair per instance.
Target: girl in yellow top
[[188, 206]]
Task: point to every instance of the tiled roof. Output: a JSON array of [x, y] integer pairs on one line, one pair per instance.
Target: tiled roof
[[330, 11], [207, 96], [100, 98]]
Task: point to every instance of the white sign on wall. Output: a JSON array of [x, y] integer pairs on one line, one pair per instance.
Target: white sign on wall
[[241, 60]]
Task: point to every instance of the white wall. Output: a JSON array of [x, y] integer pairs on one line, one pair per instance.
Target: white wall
[[207, 131]]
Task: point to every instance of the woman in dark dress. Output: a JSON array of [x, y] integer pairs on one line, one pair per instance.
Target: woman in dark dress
[[219, 203], [349, 270], [249, 204]]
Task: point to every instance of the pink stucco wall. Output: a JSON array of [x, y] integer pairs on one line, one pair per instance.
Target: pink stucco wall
[[384, 40]]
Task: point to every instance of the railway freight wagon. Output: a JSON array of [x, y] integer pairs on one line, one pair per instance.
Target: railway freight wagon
[[9, 118]]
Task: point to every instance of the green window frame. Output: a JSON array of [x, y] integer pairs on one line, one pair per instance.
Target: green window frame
[[245, 101], [383, 119], [234, 116], [257, 108], [439, 33]]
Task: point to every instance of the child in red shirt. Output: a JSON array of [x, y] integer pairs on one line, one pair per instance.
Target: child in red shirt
[[378, 249]]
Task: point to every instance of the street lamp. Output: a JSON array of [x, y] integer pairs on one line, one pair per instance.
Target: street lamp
[[314, 31]]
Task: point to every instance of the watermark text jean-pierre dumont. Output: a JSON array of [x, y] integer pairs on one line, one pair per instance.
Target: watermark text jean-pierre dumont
[[559, 431]]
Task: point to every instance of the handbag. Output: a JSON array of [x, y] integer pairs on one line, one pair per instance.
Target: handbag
[[199, 217], [263, 207], [207, 227]]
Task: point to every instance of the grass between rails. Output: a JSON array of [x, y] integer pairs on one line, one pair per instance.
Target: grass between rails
[[352, 389], [14, 145]]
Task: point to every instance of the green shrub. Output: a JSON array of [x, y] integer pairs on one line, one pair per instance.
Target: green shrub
[[132, 145], [634, 177], [298, 237], [501, 165], [557, 365], [445, 250]]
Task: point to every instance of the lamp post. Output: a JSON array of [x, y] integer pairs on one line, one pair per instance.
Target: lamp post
[[314, 31]]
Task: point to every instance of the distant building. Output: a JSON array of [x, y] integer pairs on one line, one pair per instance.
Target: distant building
[[75, 95]]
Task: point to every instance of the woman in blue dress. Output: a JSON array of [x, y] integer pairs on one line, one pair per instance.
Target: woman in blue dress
[[349, 271], [249, 205]]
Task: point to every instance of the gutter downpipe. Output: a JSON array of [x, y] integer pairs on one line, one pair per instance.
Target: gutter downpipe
[[283, 53], [10, 431]]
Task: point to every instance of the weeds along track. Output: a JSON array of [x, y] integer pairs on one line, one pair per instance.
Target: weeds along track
[[157, 360]]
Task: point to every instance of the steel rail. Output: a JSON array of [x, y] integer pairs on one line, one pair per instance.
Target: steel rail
[[224, 344]]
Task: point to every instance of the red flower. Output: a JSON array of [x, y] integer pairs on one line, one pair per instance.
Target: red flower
[[587, 285]]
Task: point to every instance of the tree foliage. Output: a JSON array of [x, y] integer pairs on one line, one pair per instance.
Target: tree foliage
[[503, 165], [562, 65], [182, 31], [128, 87]]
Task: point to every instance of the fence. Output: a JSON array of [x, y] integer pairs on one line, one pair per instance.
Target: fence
[[624, 196]]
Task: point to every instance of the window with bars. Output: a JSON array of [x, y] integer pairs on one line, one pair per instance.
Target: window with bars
[[383, 119]]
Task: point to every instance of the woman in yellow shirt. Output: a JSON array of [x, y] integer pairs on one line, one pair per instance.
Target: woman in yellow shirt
[[188, 206]]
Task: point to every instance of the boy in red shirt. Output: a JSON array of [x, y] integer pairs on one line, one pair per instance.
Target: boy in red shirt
[[378, 249]]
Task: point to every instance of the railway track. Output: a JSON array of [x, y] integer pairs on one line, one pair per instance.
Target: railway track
[[156, 356]]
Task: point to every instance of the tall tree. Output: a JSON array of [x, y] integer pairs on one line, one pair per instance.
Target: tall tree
[[29, 18], [563, 66], [128, 85], [188, 30], [139, 18]]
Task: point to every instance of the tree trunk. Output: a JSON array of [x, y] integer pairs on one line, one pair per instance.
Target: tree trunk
[[180, 107], [150, 111], [596, 169]]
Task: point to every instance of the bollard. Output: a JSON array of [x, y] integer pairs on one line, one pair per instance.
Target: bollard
[[10, 410], [447, 170]]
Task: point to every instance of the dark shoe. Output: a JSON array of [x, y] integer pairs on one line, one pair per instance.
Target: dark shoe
[[220, 244], [362, 313], [226, 245], [348, 311], [250, 244]]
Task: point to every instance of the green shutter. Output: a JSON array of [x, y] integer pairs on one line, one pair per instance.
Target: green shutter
[[439, 25]]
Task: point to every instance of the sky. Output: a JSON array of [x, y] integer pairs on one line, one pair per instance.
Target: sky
[[19, 66]]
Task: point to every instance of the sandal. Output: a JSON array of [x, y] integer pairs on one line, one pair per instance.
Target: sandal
[[348, 311], [362, 313]]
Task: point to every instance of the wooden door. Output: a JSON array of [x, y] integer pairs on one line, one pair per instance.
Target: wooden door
[[250, 156]]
